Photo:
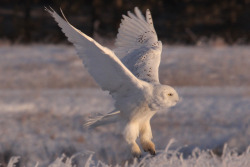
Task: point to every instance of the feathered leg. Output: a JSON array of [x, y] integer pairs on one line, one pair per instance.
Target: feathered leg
[[146, 136], [130, 133]]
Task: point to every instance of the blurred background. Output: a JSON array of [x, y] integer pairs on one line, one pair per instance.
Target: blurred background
[[46, 94], [176, 21]]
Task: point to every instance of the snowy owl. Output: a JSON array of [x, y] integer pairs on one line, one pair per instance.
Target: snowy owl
[[132, 80]]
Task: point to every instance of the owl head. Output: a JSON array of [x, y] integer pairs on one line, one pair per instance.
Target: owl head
[[165, 96]]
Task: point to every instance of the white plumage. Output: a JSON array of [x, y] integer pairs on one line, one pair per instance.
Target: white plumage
[[132, 80], [138, 46]]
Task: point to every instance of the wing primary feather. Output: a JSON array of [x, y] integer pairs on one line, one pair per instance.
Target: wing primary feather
[[134, 22], [139, 14], [64, 15], [149, 19]]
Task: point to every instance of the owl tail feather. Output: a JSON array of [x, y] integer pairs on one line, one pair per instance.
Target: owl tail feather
[[99, 120]]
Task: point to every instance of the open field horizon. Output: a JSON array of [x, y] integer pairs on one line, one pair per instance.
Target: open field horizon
[[57, 66]]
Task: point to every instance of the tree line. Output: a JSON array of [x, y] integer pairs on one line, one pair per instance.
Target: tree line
[[176, 21]]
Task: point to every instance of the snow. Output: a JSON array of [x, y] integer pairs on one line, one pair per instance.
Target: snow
[[46, 95]]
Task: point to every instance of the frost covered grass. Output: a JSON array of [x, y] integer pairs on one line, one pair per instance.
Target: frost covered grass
[[164, 158]]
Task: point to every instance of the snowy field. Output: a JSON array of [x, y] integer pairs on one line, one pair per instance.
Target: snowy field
[[46, 95]]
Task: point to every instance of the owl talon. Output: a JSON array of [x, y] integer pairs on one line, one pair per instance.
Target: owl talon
[[152, 152], [136, 152], [149, 147]]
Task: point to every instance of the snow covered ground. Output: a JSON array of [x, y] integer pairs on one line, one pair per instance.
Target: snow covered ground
[[46, 95]]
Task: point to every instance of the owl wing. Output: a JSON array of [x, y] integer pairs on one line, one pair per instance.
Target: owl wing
[[103, 65], [138, 46]]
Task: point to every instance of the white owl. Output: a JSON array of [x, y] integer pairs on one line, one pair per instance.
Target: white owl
[[132, 80]]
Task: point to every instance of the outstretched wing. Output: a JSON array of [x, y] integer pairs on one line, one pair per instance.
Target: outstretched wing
[[107, 70], [138, 46]]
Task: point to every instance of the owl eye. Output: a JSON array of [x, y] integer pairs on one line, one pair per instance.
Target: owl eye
[[170, 94]]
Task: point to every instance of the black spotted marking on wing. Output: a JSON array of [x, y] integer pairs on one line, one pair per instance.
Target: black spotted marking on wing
[[141, 38], [144, 37], [143, 57], [155, 44], [143, 65], [149, 17]]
